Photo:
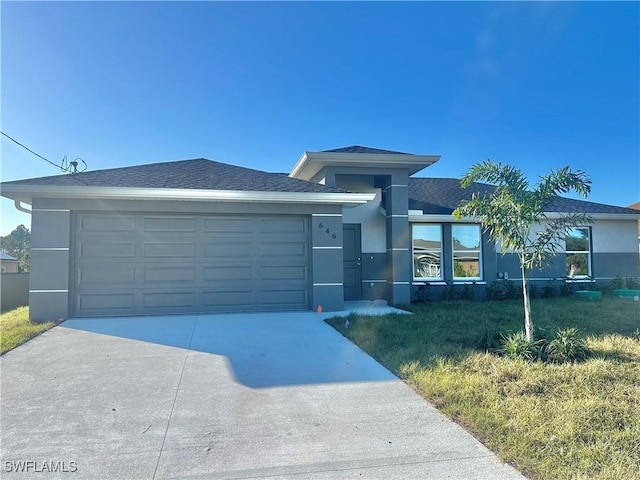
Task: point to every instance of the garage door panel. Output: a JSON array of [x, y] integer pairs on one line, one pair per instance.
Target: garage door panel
[[106, 301], [102, 223], [283, 298], [227, 249], [98, 275], [227, 273], [169, 274], [229, 300], [170, 224], [283, 273], [170, 250], [228, 225], [284, 249], [168, 299], [159, 263], [282, 225], [101, 249]]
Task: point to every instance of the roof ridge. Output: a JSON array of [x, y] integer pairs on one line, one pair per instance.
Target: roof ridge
[[363, 149]]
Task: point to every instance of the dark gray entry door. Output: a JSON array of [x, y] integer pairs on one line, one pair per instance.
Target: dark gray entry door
[[352, 261], [147, 263]]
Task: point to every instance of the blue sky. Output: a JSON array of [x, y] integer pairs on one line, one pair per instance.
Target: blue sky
[[536, 85]]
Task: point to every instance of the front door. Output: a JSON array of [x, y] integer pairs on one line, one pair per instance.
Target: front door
[[352, 261]]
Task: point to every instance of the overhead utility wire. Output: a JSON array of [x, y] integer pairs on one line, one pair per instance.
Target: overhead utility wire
[[62, 167]]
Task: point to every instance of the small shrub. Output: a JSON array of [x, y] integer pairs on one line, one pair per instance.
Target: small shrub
[[496, 290], [617, 283], [514, 291], [633, 283], [566, 289], [489, 338], [423, 294], [516, 346], [533, 290], [450, 292], [468, 292], [549, 290], [567, 345]]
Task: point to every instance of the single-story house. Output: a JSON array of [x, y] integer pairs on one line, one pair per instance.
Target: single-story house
[[8, 264], [203, 236], [636, 206]]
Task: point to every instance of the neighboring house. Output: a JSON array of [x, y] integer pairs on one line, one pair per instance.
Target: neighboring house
[[203, 236], [8, 264], [636, 206]]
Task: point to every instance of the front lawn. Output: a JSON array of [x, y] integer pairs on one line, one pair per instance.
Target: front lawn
[[577, 420], [16, 328]]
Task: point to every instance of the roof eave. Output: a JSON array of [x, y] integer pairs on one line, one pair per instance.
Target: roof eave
[[25, 193], [598, 216], [416, 216], [310, 163]]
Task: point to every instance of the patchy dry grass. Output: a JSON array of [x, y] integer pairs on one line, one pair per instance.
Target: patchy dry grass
[[575, 420], [16, 328]]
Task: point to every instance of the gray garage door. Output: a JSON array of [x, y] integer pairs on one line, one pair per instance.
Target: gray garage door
[[155, 264]]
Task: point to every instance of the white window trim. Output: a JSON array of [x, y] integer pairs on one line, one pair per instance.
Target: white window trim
[[478, 251], [413, 252], [589, 274]]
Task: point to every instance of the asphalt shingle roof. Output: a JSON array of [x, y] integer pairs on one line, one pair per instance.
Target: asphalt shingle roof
[[441, 196], [199, 174], [359, 149], [431, 195]]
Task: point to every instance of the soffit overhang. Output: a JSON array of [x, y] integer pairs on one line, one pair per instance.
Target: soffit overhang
[[311, 163], [26, 193]]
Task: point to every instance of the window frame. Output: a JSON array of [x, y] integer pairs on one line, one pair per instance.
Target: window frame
[[588, 252], [480, 276], [439, 251]]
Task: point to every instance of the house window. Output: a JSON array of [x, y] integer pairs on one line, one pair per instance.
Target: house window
[[427, 252], [578, 249], [466, 243]]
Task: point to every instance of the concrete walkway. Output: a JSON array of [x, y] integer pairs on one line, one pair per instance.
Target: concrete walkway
[[254, 396]]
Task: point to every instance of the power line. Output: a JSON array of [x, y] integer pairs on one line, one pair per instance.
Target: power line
[[72, 167]]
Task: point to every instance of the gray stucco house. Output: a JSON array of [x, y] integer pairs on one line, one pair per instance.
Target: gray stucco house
[[203, 236]]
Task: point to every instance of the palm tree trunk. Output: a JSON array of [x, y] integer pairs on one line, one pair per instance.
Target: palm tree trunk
[[528, 323]]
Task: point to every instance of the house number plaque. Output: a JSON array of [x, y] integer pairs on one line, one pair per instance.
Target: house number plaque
[[327, 231]]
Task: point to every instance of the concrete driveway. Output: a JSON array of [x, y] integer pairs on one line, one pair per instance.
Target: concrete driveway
[[250, 396]]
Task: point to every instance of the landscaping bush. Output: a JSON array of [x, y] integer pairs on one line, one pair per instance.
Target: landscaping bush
[[423, 294], [489, 338], [549, 290], [632, 283], [450, 293], [566, 289], [517, 347], [468, 292], [496, 290], [567, 345]]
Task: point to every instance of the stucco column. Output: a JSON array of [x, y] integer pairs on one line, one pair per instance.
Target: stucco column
[[399, 272], [49, 277], [326, 261]]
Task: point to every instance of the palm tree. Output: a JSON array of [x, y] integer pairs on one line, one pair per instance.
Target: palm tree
[[511, 211]]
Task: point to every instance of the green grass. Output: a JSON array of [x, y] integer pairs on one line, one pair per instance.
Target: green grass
[[573, 420], [16, 328]]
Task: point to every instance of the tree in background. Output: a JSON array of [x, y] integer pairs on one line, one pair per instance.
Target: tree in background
[[18, 245], [513, 209]]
